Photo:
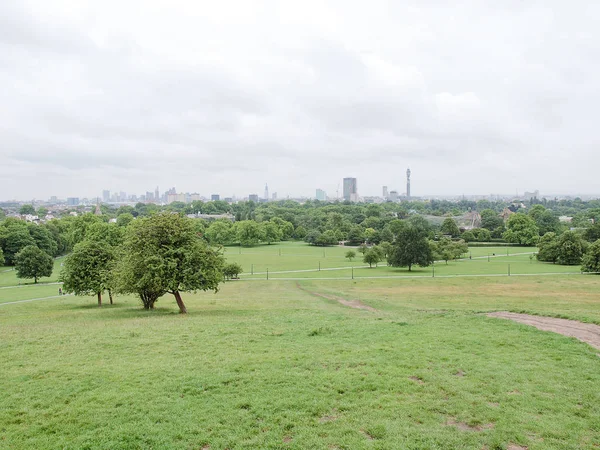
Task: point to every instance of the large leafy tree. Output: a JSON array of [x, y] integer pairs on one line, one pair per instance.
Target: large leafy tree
[[521, 229], [1, 257], [571, 247], [88, 270], [14, 239], [43, 238], [271, 232], [491, 220], [548, 249], [371, 257], [163, 254], [31, 262], [411, 247], [591, 260], [248, 232], [446, 249], [220, 232], [27, 209], [450, 227]]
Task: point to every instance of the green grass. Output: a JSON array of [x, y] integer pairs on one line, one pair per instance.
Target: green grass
[[8, 276], [282, 364], [269, 365]]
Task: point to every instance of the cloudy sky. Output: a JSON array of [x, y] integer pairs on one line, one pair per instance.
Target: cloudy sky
[[222, 96]]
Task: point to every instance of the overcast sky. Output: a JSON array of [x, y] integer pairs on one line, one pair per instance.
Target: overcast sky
[[223, 96]]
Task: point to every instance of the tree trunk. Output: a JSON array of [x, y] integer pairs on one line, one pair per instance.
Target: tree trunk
[[99, 298], [110, 296], [182, 309], [409, 267], [34, 280]]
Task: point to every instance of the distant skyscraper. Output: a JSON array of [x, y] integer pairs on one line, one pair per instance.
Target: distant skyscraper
[[106, 196], [253, 198], [215, 197], [157, 195], [350, 190], [385, 192], [72, 201], [266, 196], [408, 184], [274, 196], [321, 195]]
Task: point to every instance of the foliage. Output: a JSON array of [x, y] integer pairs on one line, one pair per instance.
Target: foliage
[[220, 232], [411, 247], [232, 270], [13, 239], [27, 209], [491, 220], [371, 256], [271, 232], [446, 249], [591, 259], [1, 257], [545, 220], [124, 219], [163, 254], [248, 233], [88, 270], [548, 248], [450, 227], [350, 255], [592, 233], [521, 229], [31, 262], [571, 248]]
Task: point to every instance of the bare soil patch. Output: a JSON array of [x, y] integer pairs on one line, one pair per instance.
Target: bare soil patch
[[419, 380], [462, 426], [356, 304], [585, 332], [516, 447]]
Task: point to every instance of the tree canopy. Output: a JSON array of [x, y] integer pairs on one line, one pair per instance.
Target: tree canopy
[[163, 254], [31, 262]]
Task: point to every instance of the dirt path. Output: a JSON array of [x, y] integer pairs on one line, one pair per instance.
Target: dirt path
[[356, 304], [585, 332]]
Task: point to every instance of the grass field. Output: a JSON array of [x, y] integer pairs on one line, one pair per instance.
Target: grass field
[[283, 364]]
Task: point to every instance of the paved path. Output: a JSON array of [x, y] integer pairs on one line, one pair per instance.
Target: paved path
[[35, 299]]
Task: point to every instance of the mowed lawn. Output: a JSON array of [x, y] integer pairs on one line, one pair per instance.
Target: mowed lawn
[[274, 364]]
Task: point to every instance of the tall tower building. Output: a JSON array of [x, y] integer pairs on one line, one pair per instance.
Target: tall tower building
[[106, 196], [350, 190], [266, 197], [385, 192], [408, 184], [156, 195]]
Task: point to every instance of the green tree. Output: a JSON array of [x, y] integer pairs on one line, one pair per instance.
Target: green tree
[[371, 257], [591, 260], [14, 240], [450, 227], [411, 247], [350, 255], [163, 254], [31, 262], [1, 257], [447, 250], [232, 270], [271, 232], [490, 220], [88, 270], [220, 232], [43, 238], [42, 212], [124, 219], [571, 248], [521, 229], [300, 232], [592, 233], [27, 209], [326, 238], [548, 249], [248, 232]]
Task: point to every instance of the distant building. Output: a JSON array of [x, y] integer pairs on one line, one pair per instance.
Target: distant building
[[266, 196], [385, 192], [156, 195], [274, 196], [321, 195], [215, 197], [73, 201], [350, 189], [408, 184], [106, 196], [194, 197], [393, 197], [529, 195], [253, 198], [149, 196], [228, 199]]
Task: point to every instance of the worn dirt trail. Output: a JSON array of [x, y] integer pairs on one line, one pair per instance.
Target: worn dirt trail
[[356, 304], [585, 332]]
